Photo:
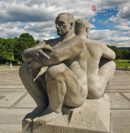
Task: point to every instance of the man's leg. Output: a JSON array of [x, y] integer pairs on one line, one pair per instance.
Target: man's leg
[[98, 86], [63, 88], [35, 89], [106, 72]]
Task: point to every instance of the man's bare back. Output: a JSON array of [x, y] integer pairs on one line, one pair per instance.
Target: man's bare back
[[100, 68]]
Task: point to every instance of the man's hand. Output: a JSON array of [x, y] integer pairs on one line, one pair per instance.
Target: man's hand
[[40, 56], [37, 53], [42, 45]]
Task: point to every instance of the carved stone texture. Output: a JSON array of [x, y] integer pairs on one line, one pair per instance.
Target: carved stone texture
[[92, 117], [67, 72]]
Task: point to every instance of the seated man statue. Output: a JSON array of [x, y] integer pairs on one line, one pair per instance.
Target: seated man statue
[[63, 81], [101, 67]]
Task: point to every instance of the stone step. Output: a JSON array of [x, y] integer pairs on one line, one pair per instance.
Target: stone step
[[12, 116], [119, 101], [13, 128], [118, 91], [121, 121], [11, 86], [9, 99], [118, 87]]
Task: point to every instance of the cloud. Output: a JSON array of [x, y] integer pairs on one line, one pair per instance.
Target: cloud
[[40, 26], [112, 37], [37, 18], [42, 29], [10, 30], [124, 13], [122, 28], [120, 34], [100, 34], [37, 29], [113, 2], [31, 10], [24, 13]]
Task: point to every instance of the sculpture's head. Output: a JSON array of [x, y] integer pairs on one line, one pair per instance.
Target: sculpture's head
[[81, 27], [64, 24]]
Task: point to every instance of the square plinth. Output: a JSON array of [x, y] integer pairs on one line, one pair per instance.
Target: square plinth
[[92, 117]]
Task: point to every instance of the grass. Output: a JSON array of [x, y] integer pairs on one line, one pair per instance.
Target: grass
[[122, 63]]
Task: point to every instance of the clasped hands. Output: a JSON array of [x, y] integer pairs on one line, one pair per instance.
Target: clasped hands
[[38, 55]]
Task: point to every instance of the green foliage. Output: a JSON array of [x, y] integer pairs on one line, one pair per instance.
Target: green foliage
[[12, 48], [24, 41], [7, 49], [122, 56], [121, 53]]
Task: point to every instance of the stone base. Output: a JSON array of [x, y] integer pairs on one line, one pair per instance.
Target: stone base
[[92, 117]]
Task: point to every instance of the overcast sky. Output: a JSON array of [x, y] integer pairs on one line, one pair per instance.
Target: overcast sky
[[110, 19]]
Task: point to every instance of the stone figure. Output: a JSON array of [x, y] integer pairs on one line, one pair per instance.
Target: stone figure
[[55, 71], [100, 64], [66, 70]]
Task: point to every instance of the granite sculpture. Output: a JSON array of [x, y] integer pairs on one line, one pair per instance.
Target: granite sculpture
[[65, 71]]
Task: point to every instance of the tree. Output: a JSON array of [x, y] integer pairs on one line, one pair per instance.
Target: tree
[[7, 49], [121, 53], [129, 53], [125, 53], [25, 41]]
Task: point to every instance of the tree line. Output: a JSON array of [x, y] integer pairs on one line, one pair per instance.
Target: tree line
[[12, 48], [121, 53]]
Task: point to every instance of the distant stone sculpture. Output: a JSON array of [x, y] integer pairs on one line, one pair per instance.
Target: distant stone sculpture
[[100, 64], [65, 71], [63, 82]]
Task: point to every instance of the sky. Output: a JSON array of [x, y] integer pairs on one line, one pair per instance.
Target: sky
[[109, 19]]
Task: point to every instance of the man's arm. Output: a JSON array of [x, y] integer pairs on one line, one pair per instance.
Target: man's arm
[[107, 52], [63, 51], [30, 53]]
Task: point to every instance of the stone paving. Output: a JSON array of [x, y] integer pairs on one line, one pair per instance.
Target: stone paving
[[15, 102]]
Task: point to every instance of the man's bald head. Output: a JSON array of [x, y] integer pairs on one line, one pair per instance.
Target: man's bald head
[[68, 16], [65, 24], [83, 22], [81, 26]]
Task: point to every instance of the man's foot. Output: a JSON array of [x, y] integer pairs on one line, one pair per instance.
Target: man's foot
[[47, 116], [37, 111]]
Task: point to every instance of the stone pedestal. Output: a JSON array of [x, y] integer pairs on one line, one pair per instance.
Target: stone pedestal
[[92, 117]]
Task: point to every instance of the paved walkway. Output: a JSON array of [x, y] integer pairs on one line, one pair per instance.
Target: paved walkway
[[15, 102]]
